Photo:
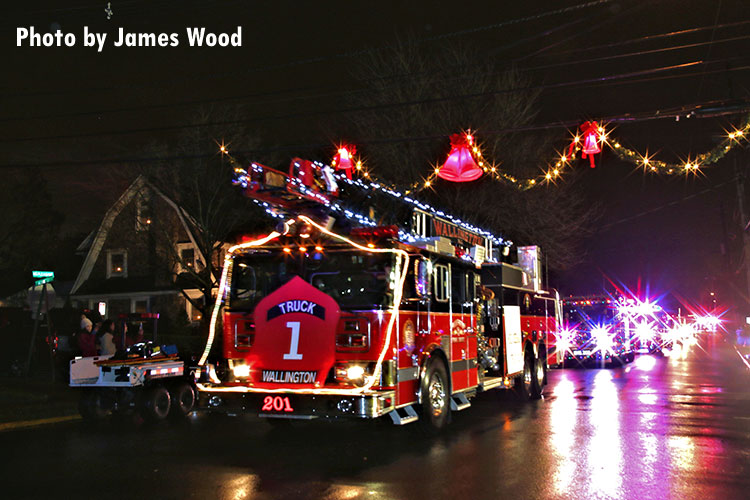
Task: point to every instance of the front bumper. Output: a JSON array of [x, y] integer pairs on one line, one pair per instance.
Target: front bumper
[[586, 356], [297, 406]]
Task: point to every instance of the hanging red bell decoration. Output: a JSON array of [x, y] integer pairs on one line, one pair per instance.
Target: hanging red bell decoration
[[344, 159], [460, 165], [591, 139]]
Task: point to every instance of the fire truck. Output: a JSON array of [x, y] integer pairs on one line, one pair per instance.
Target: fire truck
[[335, 314], [593, 333]]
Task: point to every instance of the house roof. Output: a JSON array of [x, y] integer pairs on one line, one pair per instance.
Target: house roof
[[85, 245], [95, 241]]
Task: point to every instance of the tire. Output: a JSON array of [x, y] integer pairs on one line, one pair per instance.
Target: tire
[[436, 405], [542, 361], [92, 405], [537, 378], [182, 398], [528, 386], [155, 403]]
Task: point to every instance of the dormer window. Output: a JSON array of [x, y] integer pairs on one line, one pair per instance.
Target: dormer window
[[143, 210], [117, 263], [188, 258]]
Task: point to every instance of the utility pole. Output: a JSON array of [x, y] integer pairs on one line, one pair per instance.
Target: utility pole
[[745, 236]]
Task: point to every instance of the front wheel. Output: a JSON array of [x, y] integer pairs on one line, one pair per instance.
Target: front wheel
[[93, 405], [435, 395]]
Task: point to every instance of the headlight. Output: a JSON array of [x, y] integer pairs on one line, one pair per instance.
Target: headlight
[[602, 338], [240, 369], [564, 340], [350, 373], [355, 372], [644, 331]]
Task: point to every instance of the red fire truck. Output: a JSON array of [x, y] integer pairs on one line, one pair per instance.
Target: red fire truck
[[329, 319]]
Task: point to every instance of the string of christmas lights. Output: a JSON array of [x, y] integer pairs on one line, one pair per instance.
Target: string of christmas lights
[[732, 139], [243, 177], [466, 162]]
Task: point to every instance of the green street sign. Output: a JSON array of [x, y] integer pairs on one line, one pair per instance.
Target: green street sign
[[44, 280], [43, 274]]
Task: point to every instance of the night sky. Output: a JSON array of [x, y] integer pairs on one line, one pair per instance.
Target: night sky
[[77, 114]]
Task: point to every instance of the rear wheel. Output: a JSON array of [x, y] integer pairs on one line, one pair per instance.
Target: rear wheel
[[537, 379], [524, 384], [182, 400], [435, 395], [530, 385], [155, 403], [542, 366]]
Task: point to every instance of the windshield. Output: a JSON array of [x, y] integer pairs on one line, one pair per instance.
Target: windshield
[[585, 317], [354, 279]]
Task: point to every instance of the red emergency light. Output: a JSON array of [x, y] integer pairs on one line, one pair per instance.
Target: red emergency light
[[375, 232]]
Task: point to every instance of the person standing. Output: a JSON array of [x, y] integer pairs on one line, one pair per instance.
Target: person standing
[[86, 340], [107, 338]]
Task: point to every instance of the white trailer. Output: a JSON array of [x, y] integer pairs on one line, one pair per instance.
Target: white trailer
[[155, 387]]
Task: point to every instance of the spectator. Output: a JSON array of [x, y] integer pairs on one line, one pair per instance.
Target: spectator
[[86, 340], [106, 339], [135, 338]]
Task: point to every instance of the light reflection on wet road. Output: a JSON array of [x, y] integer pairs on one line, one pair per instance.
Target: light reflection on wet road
[[659, 428]]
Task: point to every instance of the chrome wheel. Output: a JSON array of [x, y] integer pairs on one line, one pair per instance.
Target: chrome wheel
[[436, 391]]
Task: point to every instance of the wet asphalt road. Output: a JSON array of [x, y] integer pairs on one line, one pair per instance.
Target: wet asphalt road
[[658, 428]]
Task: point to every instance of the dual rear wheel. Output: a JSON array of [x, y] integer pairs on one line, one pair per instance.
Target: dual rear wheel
[[529, 386], [159, 402], [153, 404]]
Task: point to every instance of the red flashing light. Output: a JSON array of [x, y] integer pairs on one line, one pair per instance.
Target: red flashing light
[[375, 232]]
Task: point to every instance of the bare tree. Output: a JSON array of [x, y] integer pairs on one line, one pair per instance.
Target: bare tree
[[29, 228], [414, 96], [209, 207]]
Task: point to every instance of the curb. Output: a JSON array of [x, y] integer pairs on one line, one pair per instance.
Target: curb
[[742, 357], [21, 424]]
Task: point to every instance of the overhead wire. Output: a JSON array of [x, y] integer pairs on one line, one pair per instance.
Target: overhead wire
[[340, 55], [651, 37], [296, 148], [672, 203], [351, 109], [343, 91]]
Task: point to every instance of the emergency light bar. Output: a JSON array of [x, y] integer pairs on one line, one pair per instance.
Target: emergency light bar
[[375, 232]]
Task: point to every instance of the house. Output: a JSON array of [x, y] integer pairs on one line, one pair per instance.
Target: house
[[132, 259]]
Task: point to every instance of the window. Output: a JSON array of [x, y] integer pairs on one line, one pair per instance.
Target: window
[[139, 305], [187, 258], [442, 283], [194, 313], [458, 286], [117, 264], [422, 278], [354, 280], [143, 210]]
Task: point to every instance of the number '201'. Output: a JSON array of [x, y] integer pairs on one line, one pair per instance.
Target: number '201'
[[276, 403]]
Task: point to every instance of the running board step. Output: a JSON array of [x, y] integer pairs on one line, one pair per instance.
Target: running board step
[[409, 415], [459, 402]]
